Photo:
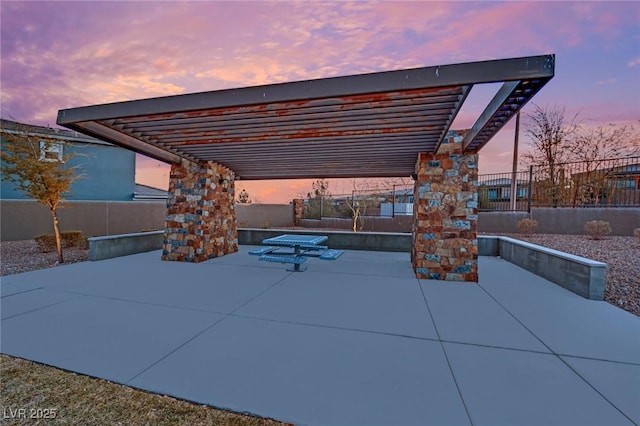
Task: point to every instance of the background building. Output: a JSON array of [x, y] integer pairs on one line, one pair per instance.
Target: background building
[[108, 172]]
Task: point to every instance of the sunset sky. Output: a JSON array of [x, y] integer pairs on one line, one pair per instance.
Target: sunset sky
[[59, 55]]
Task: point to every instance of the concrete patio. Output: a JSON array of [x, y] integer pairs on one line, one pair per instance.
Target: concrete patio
[[356, 341]]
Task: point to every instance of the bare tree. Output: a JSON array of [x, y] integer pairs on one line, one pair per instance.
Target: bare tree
[[244, 197], [35, 164], [319, 200], [550, 134], [600, 149], [595, 144]]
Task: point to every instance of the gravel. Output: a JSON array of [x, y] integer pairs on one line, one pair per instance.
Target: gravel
[[621, 254], [23, 256]]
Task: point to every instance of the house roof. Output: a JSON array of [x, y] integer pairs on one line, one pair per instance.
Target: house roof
[[49, 132], [146, 192], [367, 125]]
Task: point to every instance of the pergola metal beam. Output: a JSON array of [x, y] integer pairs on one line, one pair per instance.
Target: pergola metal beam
[[100, 131], [389, 81], [335, 127], [505, 104]]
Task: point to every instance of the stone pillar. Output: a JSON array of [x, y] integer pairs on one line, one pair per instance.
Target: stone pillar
[[298, 211], [445, 210], [201, 216]]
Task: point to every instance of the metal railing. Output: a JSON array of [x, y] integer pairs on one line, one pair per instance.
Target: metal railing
[[396, 200], [611, 182]]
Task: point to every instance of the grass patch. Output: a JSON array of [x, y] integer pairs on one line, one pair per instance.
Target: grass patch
[[82, 400]]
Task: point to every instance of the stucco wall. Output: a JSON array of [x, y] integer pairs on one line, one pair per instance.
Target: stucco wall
[[562, 220], [264, 215], [24, 219], [108, 174]]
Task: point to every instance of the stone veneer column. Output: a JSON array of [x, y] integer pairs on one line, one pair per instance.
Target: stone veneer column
[[445, 245], [201, 216]]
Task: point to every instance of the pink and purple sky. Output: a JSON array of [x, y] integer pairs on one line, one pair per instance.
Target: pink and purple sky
[[59, 55]]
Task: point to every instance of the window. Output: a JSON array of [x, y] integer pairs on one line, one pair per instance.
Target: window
[[50, 151]]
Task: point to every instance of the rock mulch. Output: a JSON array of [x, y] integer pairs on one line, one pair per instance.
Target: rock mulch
[[621, 255], [24, 256]]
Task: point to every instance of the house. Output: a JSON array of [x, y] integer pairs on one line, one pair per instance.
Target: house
[[617, 185], [105, 201], [500, 189], [108, 172]]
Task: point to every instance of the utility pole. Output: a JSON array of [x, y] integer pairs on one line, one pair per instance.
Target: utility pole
[[514, 170]]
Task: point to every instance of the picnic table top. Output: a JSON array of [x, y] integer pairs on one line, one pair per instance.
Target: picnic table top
[[292, 240]]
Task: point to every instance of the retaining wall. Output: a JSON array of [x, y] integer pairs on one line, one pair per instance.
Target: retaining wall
[[580, 275], [110, 246], [344, 240]]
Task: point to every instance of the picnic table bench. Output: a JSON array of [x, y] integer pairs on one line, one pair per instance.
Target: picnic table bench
[[303, 246]]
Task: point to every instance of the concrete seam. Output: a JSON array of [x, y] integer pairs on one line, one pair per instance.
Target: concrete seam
[[37, 309], [186, 342], [557, 355], [444, 351]]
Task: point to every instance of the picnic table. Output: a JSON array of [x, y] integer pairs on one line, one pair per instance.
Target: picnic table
[[303, 246]]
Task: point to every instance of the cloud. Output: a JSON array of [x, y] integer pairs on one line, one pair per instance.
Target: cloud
[[95, 53]]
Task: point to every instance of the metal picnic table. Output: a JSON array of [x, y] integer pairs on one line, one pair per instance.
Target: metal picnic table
[[303, 246]]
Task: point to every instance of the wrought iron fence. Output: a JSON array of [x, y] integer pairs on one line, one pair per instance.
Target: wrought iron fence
[[612, 182], [386, 202]]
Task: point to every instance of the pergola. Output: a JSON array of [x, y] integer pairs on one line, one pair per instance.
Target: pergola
[[368, 125], [385, 124]]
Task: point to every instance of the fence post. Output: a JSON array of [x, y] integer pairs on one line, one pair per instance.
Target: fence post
[[514, 170], [393, 203], [530, 189]]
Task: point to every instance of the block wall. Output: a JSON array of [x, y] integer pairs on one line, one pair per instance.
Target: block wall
[[201, 217], [445, 245]]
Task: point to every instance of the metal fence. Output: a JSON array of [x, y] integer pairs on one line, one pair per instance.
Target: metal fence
[[612, 182], [396, 200]]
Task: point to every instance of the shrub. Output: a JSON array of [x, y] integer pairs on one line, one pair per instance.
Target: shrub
[[597, 228], [47, 242], [266, 225], [636, 233], [527, 226]]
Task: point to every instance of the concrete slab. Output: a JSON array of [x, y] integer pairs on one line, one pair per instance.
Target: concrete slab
[[29, 301], [377, 304], [346, 342], [9, 288], [567, 323], [619, 383], [216, 288], [111, 339], [379, 264], [312, 375], [464, 312], [508, 387]]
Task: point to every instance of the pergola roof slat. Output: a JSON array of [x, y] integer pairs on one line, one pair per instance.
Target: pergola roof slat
[[380, 121]]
